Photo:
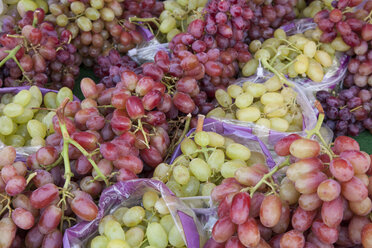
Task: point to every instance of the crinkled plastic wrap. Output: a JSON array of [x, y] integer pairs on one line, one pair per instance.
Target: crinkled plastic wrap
[[128, 194], [145, 52], [271, 137], [203, 206], [25, 151], [333, 75]]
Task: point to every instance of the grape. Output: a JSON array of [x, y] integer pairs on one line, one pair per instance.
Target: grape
[[292, 238], [23, 218], [304, 148], [270, 211], [156, 235], [248, 233], [354, 190], [240, 208], [329, 190]]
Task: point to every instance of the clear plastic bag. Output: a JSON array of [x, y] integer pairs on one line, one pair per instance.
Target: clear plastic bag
[[334, 74], [145, 52], [128, 194], [25, 151]]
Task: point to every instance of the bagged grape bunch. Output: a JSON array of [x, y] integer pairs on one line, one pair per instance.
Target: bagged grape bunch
[[297, 52], [266, 108], [26, 116], [150, 214]]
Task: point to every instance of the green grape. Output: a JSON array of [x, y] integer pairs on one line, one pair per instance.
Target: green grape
[[2, 106], [117, 243], [25, 5], [151, 217], [315, 71], [263, 122], [119, 213], [207, 189], [181, 174], [249, 114], [161, 171], [167, 25], [238, 151], [134, 236], [279, 124], [254, 46], [262, 54], [301, 64], [250, 68], [216, 140], [22, 130], [14, 140], [244, 100], [62, 94], [216, 159], [202, 3], [188, 147], [201, 138], [62, 20], [310, 49], [179, 14], [7, 98], [22, 98], [133, 216], [37, 141], [6, 125], [13, 110], [174, 187], [191, 188], [229, 168], [92, 13], [97, 4], [156, 235], [99, 242], [175, 237], [228, 141], [77, 7], [41, 115], [323, 58], [50, 100], [113, 230], [42, 4], [272, 98], [48, 121], [193, 4], [171, 5], [167, 222], [107, 14], [33, 105], [161, 207], [149, 199], [234, 90], [25, 117], [84, 23], [36, 129], [200, 169], [172, 33], [256, 90], [217, 112], [103, 222], [164, 14], [223, 98]]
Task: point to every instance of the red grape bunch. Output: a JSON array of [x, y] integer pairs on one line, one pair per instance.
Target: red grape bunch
[[97, 26], [33, 52], [323, 200]]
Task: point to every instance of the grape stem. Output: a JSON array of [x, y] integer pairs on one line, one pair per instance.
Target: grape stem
[[265, 177], [278, 74], [29, 178], [138, 19], [12, 55], [7, 206]]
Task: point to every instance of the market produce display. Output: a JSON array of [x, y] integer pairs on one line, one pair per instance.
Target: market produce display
[[233, 131]]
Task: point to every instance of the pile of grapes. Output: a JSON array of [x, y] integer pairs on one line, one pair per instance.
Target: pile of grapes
[[148, 224], [267, 104], [322, 200], [24, 121], [33, 52]]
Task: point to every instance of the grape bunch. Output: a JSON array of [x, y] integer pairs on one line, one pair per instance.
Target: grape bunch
[[314, 7], [23, 121], [205, 161], [322, 201], [108, 67], [348, 112], [268, 16], [267, 104], [98, 25], [177, 15], [294, 55], [148, 224], [33, 52]]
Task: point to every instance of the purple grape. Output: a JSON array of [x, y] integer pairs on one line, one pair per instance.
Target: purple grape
[[332, 101], [322, 95], [331, 124], [353, 130], [354, 102], [332, 113], [344, 114], [367, 123], [341, 125]]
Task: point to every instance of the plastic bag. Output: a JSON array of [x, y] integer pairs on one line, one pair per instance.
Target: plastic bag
[[127, 194], [24, 152], [271, 137], [333, 75], [145, 52]]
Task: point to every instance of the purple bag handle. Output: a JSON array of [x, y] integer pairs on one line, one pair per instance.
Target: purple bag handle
[[190, 230], [145, 33]]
